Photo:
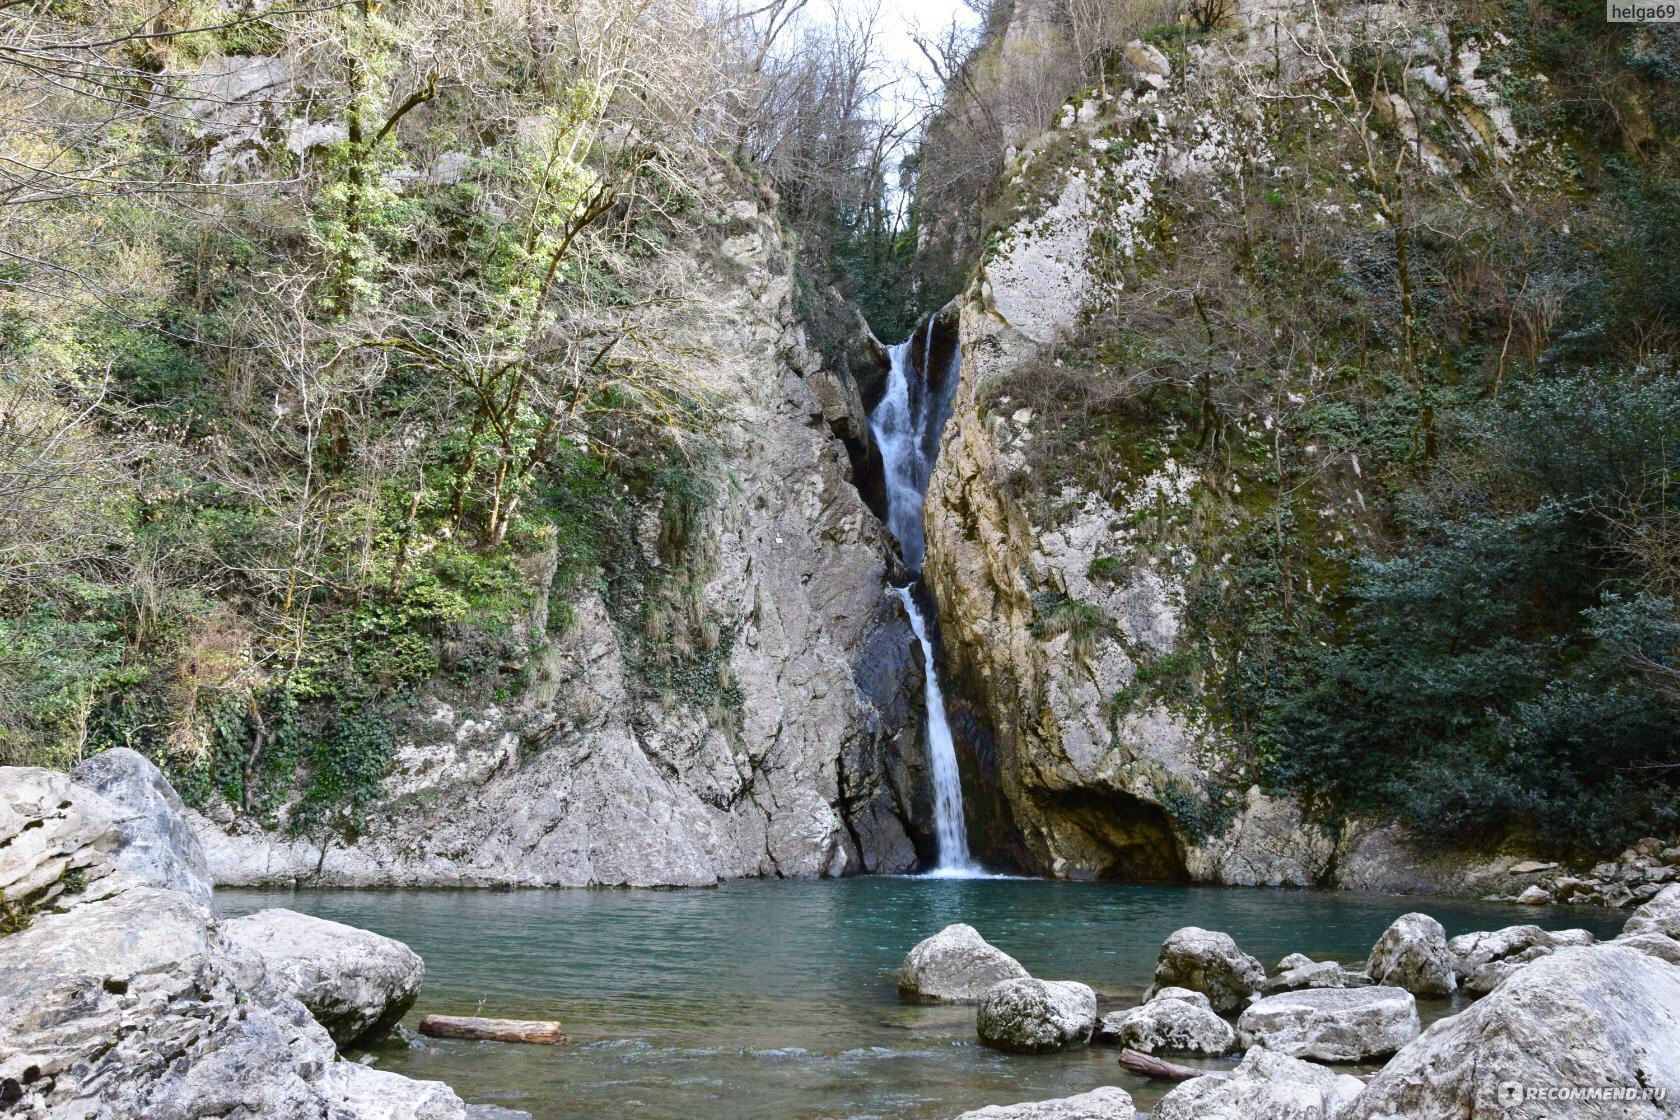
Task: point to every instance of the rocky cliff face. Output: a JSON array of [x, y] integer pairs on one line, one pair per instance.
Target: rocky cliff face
[[1083, 781], [792, 752], [1060, 602]]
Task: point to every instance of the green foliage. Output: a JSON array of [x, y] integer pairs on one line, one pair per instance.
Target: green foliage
[[1201, 812], [54, 663], [1058, 614], [1496, 672]]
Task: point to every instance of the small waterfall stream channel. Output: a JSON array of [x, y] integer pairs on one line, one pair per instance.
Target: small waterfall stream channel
[[907, 423]]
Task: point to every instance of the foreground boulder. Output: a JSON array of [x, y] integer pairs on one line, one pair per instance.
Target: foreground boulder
[[356, 983], [1209, 962], [1175, 1021], [121, 996], [1037, 1016], [1332, 1024], [156, 847], [1265, 1086], [1106, 1103], [1412, 954], [130, 1007], [1607, 1016], [955, 965]]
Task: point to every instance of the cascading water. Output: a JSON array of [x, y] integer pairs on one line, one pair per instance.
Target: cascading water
[[948, 827], [906, 425]]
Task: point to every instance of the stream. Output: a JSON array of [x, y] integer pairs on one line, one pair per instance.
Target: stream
[[776, 1000]]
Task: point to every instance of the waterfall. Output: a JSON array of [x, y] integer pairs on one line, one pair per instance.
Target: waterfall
[[906, 424], [948, 825]]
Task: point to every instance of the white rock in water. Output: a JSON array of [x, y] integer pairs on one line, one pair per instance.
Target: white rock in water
[[1186, 994], [1037, 1016], [156, 847], [1106, 1103], [1605, 1016], [1265, 1086], [1209, 962], [955, 965], [1313, 974], [1170, 1026], [356, 983], [1332, 1024], [1412, 954]]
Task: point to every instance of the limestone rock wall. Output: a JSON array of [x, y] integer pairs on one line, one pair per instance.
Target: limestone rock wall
[[1050, 600], [586, 779]]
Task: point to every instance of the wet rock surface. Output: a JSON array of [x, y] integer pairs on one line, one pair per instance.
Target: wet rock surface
[[1037, 1016]]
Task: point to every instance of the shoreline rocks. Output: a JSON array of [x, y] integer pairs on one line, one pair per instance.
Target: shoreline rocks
[[1332, 1024], [1037, 1016], [955, 965], [356, 983], [122, 994], [1601, 1016], [1635, 876]]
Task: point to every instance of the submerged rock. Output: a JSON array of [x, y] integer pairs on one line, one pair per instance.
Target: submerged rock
[[156, 846], [1332, 1024], [1037, 1016], [1412, 954], [1265, 1086], [1106, 1103], [356, 983], [1209, 962], [1607, 1016], [1167, 1025], [955, 965]]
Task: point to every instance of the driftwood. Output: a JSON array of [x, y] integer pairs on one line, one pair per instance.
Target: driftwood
[[1145, 1066], [493, 1030]]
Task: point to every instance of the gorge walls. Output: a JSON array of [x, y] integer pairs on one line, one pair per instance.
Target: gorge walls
[[790, 750]]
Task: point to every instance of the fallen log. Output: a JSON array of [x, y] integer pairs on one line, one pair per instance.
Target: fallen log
[[1145, 1066], [493, 1030]]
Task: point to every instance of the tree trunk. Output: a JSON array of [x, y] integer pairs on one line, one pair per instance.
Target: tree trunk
[[1141, 1064], [493, 1030]]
